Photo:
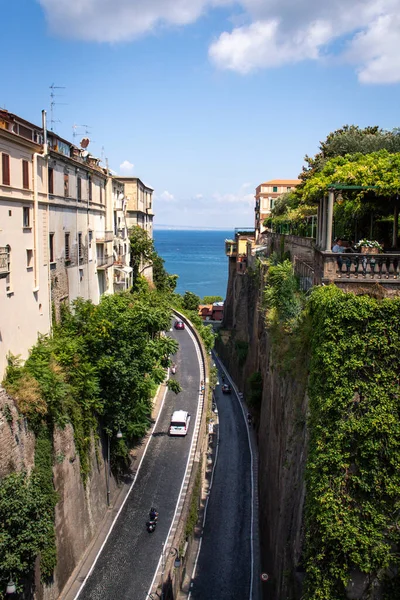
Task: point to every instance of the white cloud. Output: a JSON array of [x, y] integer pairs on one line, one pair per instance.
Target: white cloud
[[126, 166], [166, 197], [239, 197], [119, 20], [267, 34], [288, 31]]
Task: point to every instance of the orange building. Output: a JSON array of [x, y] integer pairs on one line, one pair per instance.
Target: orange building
[[266, 195]]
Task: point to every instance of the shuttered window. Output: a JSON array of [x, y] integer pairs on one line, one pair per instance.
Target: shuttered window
[[5, 165], [51, 181], [25, 175]]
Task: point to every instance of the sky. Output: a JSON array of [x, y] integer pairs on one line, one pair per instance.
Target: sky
[[202, 99]]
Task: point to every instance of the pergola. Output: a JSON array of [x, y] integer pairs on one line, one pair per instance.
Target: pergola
[[325, 215]]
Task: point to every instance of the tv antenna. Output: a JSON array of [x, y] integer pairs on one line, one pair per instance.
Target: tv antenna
[[53, 103]]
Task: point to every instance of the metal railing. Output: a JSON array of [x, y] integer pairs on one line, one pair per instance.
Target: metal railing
[[103, 262]]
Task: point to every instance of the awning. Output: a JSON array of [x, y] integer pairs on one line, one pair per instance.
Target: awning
[[126, 270]]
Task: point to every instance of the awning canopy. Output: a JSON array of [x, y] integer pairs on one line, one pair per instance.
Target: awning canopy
[[126, 270]]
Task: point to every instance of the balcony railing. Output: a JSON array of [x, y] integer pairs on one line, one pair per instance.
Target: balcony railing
[[359, 267], [104, 262], [104, 236]]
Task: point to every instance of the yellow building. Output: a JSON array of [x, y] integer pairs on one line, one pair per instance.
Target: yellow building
[[266, 195]]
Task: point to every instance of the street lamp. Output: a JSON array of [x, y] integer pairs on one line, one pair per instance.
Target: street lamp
[[119, 435], [11, 587]]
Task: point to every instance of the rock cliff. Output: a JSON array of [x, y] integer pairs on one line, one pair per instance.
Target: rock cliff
[[246, 348]]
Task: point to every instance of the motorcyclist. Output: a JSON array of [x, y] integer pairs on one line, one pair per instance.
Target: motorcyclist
[[153, 514], [173, 368]]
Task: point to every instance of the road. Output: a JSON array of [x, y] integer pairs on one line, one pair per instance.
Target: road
[[129, 559], [225, 561]]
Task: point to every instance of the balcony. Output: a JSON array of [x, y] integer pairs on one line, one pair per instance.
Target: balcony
[[104, 262], [230, 248], [120, 259], [104, 236], [358, 268]]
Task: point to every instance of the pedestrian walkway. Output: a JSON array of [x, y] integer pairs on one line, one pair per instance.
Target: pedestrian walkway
[[84, 566]]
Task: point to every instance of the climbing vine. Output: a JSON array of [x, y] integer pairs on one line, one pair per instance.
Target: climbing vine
[[353, 477]]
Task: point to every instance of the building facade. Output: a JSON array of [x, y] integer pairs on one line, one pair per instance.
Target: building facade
[[25, 303], [266, 195], [64, 230], [139, 212]]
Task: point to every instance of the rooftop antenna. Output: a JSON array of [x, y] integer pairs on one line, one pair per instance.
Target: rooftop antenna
[[53, 103]]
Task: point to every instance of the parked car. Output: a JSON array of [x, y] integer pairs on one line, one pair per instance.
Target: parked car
[[226, 388], [179, 325]]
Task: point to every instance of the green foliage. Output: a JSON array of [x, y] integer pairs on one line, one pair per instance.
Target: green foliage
[[353, 476], [282, 296], [242, 349], [191, 301], [143, 253], [380, 169], [212, 299], [27, 518], [174, 386], [255, 384], [205, 331], [194, 504], [351, 139], [213, 377]]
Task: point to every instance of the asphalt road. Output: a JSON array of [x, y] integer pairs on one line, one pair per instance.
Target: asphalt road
[[126, 566], [224, 563]]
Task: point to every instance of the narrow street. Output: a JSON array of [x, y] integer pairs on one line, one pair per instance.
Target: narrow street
[[127, 563], [226, 563]]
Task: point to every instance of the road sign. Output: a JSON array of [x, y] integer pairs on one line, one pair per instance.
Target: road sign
[[264, 576]]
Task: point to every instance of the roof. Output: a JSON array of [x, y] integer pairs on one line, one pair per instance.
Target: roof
[[282, 182], [179, 415]]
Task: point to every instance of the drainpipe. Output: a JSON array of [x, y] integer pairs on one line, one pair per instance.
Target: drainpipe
[[36, 203]]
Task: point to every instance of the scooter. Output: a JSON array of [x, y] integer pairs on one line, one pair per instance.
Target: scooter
[[151, 525]]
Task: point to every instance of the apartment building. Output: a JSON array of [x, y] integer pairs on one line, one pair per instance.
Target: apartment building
[[121, 250], [266, 195], [139, 211], [25, 304]]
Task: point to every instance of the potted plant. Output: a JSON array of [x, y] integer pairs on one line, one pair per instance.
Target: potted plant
[[368, 247]]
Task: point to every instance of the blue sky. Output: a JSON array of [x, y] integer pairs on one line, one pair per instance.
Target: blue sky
[[204, 99]]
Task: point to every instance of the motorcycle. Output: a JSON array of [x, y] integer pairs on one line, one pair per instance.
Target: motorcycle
[[151, 525]]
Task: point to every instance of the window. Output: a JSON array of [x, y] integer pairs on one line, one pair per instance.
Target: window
[[29, 258], [51, 180], [66, 185], [25, 175], [90, 236], [80, 248], [67, 247], [275, 188], [4, 260], [289, 188], [5, 163], [79, 189], [271, 203], [90, 188], [51, 247], [80, 274], [26, 216]]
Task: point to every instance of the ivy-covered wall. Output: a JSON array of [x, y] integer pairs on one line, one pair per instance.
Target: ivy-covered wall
[[328, 431]]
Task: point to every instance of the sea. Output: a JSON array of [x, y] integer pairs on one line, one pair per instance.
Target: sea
[[197, 256]]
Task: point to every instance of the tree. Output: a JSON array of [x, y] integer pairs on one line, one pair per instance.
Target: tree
[[190, 301], [142, 249], [350, 139], [212, 299]]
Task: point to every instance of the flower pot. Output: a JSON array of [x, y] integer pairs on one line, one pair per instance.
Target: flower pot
[[368, 250]]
